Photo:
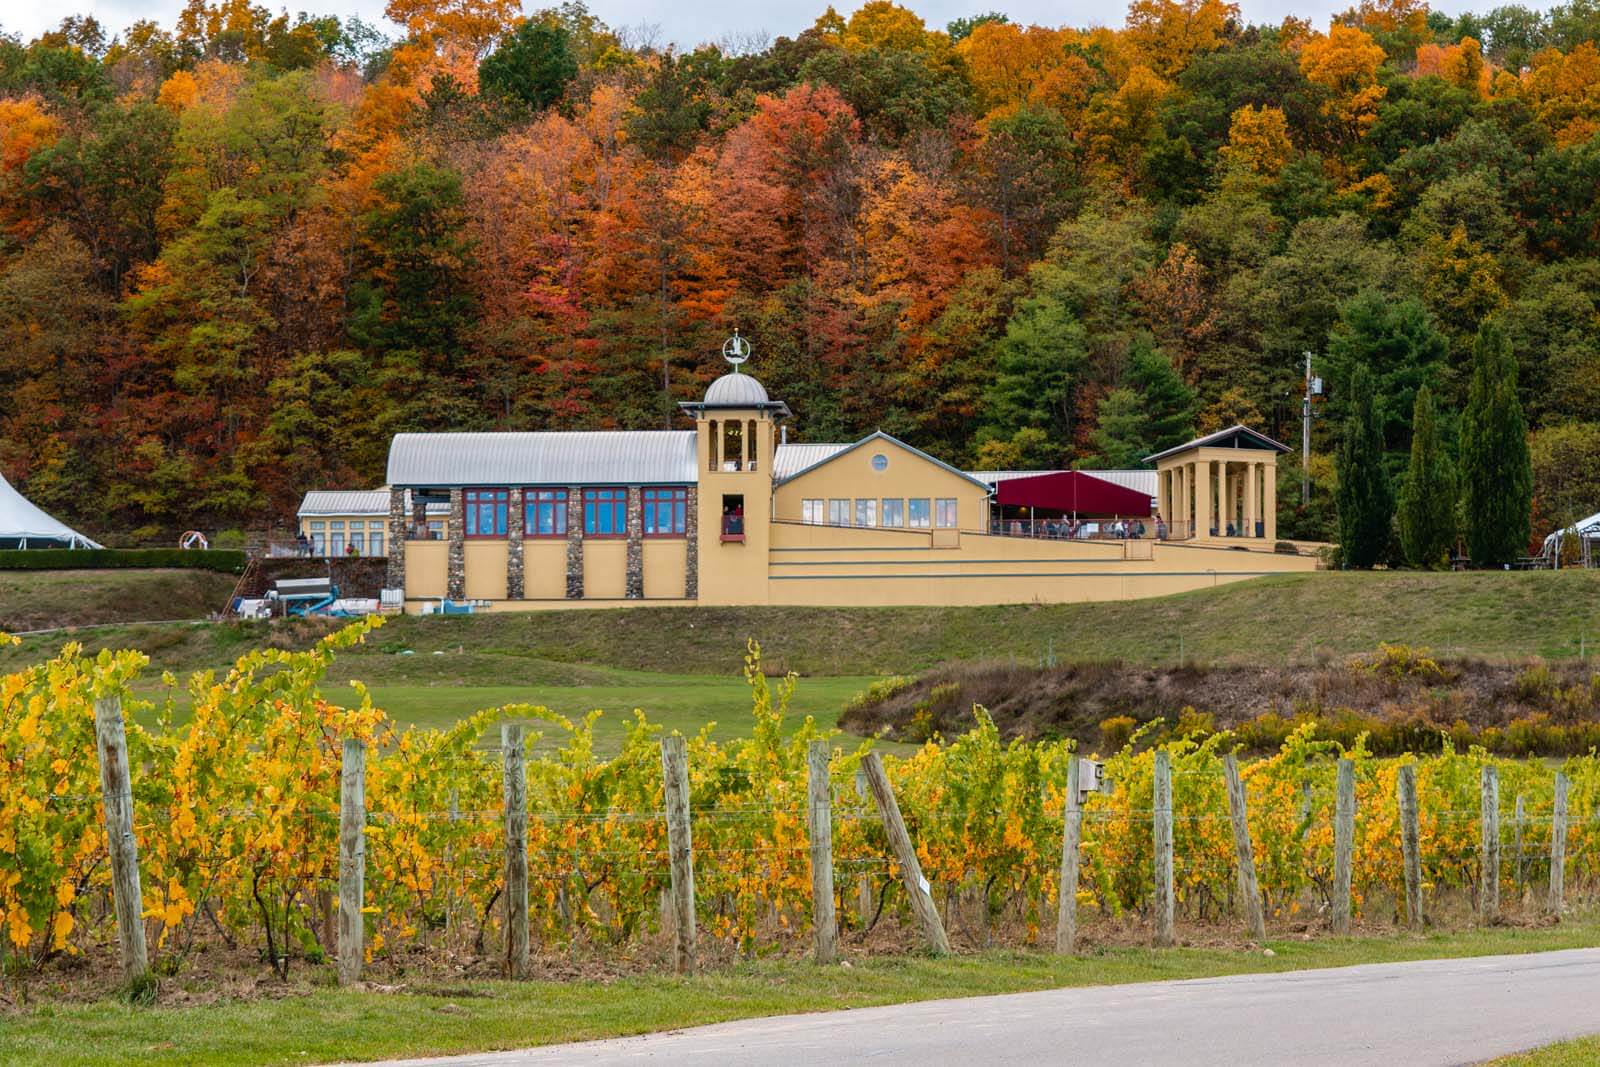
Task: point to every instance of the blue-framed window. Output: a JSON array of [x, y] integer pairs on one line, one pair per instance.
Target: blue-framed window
[[605, 513], [544, 512], [486, 512], [666, 511]]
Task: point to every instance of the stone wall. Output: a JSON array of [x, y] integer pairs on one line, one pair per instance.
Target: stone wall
[[514, 572], [574, 542], [455, 582], [395, 575], [691, 567], [635, 576]]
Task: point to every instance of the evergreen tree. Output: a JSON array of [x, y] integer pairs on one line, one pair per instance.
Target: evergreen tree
[[532, 66], [1169, 404], [1365, 500], [1153, 411], [1428, 498], [1495, 465]]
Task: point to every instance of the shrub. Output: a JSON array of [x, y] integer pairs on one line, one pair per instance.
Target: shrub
[[875, 693], [224, 561], [1399, 662]]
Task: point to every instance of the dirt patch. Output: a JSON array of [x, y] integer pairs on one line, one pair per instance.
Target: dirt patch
[[1401, 693]]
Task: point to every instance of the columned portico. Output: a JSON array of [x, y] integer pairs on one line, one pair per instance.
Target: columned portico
[[1222, 486]]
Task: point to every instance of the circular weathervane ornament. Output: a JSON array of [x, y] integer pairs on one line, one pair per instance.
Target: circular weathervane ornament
[[736, 350]]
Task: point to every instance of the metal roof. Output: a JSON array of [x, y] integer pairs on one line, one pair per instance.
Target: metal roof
[[1231, 437], [1139, 480], [876, 435], [792, 459], [605, 457], [357, 502], [345, 502]]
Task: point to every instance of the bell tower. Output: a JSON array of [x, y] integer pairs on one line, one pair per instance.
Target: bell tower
[[736, 437]]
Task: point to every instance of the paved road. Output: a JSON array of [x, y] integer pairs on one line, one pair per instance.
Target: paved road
[[1413, 1014]]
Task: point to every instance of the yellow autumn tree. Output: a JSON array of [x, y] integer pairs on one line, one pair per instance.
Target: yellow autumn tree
[[1564, 92], [1345, 61], [1006, 63], [1258, 140], [1166, 33]]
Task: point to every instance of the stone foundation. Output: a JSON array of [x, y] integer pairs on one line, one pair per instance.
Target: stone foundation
[[514, 572], [455, 581], [635, 574], [574, 542], [395, 575], [691, 563]]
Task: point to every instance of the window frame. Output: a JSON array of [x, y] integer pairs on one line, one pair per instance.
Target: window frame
[[472, 500], [814, 511], [652, 498], [614, 498], [842, 506], [899, 510], [939, 509], [871, 511], [911, 513], [557, 499]]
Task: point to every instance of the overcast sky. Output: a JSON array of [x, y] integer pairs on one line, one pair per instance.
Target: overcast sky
[[687, 24]]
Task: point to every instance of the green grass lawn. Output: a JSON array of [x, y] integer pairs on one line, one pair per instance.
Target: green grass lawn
[[684, 703], [1583, 1052], [418, 1019]]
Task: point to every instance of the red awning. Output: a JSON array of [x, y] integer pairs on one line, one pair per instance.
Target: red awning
[[1072, 492]]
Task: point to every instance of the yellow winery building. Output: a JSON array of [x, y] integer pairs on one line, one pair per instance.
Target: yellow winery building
[[729, 513]]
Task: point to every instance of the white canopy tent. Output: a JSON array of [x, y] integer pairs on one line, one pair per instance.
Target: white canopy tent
[[1587, 531], [22, 525]]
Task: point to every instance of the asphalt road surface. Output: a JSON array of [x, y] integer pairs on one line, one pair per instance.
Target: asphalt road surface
[[1411, 1014]]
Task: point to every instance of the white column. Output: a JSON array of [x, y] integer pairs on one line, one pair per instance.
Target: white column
[[1225, 487], [1252, 509], [1269, 500]]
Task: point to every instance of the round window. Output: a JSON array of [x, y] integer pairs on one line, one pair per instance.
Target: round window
[[880, 462]]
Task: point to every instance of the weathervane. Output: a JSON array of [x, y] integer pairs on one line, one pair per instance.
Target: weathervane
[[736, 350]]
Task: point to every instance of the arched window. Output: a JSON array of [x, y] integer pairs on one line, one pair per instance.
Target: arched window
[[713, 445], [750, 440]]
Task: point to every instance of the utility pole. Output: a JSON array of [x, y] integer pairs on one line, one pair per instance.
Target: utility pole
[[1305, 438]]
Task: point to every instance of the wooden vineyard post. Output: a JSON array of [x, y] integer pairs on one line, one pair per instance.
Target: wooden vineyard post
[[352, 860], [1344, 839], [1558, 846], [1071, 833], [863, 881], [116, 791], [820, 827], [680, 849], [1410, 844], [1161, 818], [905, 855], [1249, 890], [1489, 846], [1519, 818], [515, 791]]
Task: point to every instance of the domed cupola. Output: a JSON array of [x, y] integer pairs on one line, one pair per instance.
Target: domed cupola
[[736, 389]]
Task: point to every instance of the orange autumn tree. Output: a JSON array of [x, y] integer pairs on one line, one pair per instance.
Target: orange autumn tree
[[1461, 65]]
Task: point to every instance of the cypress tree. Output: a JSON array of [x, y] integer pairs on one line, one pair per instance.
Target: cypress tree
[[1495, 466], [1365, 500], [1428, 498]]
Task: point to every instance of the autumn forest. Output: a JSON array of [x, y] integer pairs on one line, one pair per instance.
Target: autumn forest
[[239, 252]]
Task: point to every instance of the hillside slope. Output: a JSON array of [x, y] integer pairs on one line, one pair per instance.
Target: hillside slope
[[1290, 619], [37, 600]]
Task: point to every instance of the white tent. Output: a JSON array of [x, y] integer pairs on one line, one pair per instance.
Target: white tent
[[24, 526], [1586, 530]]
